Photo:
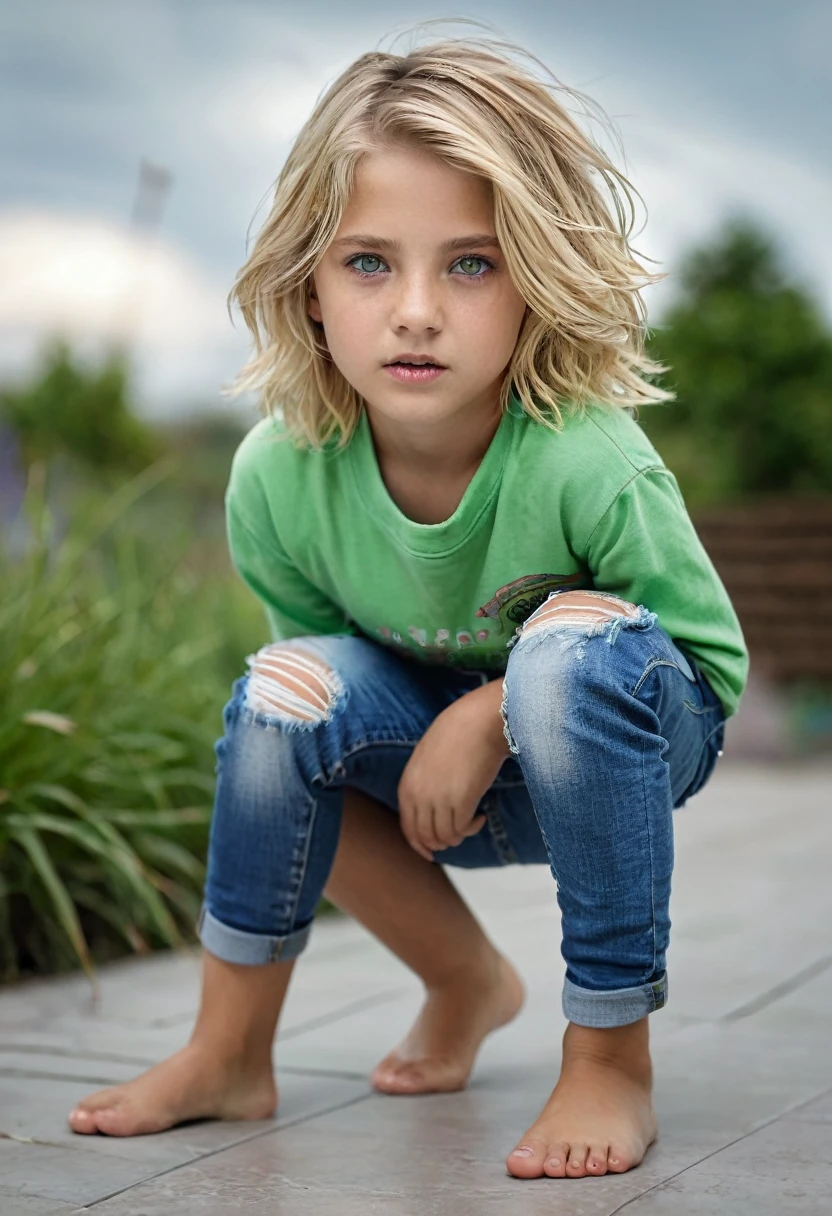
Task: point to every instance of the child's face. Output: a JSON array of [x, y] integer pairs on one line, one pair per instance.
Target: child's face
[[459, 307]]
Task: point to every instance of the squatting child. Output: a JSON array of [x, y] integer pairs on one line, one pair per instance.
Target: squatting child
[[496, 637]]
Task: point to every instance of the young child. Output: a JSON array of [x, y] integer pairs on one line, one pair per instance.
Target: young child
[[497, 637]]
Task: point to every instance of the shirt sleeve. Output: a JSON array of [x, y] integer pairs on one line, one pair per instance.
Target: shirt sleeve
[[645, 549], [294, 606]]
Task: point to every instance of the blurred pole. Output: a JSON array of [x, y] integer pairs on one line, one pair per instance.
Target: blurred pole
[[152, 190]]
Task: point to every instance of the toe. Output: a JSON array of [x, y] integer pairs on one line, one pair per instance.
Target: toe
[[117, 1122], [576, 1165], [619, 1160], [408, 1079], [400, 1080], [526, 1161], [555, 1163], [596, 1160], [82, 1121]]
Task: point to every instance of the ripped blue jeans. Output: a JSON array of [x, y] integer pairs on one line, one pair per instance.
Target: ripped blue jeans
[[610, 726]]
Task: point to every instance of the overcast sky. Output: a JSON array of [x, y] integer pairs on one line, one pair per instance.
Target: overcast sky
[[721, 107]]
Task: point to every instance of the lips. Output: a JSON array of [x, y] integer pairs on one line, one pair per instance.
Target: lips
[[412, 373]]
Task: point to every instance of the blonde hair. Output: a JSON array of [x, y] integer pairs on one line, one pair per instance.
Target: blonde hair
[[582, 338]]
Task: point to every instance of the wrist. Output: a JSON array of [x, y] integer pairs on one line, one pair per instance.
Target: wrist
[[488, 701]]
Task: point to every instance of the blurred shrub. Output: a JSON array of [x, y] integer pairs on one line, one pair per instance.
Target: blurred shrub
[[118, 647], [79, 411], [750, 359]]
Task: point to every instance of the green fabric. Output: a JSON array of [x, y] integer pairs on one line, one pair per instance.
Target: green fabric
[[319, 540]]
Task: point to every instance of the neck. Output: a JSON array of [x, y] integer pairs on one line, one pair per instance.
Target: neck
[[448, 448]]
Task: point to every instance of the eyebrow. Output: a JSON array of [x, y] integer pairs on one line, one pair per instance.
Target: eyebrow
[[479, 240]]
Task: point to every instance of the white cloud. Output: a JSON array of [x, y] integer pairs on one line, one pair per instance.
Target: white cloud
[[691, 180], [265, 106], [97, 283]]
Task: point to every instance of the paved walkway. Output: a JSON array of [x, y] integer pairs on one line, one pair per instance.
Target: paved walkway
[[743, 1055]]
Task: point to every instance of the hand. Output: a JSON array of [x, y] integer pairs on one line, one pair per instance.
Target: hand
[[451, 767]]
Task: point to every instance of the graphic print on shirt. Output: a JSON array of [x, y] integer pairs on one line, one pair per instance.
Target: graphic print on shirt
[[514, 603], [510, 606]]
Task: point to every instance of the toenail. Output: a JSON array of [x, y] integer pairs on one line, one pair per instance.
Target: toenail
[[522, 1152], [554, 1161]]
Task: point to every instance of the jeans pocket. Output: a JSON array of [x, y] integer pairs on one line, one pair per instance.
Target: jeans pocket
[[711, 751]]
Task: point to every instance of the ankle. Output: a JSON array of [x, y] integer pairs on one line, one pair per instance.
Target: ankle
[[234, 1055], [625, 1048], [477, 974]]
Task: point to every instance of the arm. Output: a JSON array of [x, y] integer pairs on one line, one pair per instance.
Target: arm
[[645, 549], [294, 605], [451, 767]]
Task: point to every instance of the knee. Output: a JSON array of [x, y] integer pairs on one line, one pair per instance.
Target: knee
[[553, 674], [290, 683], [584, 612], [568, 619]]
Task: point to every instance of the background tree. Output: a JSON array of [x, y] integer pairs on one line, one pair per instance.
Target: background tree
[[750, 359], [69, 409]]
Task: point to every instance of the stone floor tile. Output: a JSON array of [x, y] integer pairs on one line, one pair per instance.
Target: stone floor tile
[[751, 902], [46, 1158], [786, 1152], [700, 1193], [41, 1063], [819, 1111], [12, 1204], [441, 1154], [743, 1040]]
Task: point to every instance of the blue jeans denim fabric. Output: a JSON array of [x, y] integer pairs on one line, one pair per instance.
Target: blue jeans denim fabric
[[611, 727]]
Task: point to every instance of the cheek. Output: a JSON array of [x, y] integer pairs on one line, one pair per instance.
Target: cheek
[[498, 327], [351, 333]]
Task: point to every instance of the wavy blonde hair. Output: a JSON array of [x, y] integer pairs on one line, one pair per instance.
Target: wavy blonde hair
[[582, 338]]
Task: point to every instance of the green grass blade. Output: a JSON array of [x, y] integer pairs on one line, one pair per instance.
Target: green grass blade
[[29, 840]]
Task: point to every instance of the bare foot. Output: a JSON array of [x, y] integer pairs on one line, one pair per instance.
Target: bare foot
[[195, 1083], [439, 1052], [600, 1116]]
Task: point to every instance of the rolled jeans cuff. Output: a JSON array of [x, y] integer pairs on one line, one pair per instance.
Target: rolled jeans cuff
[[615, 1007], [250, 949]]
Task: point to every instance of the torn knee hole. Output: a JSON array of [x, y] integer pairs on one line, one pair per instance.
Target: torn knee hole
[[290, 683], [579, 608]]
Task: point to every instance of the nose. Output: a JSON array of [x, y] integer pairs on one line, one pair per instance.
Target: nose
[[417, 302]]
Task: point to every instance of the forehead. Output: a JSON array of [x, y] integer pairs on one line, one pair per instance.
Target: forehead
[[413, 186]]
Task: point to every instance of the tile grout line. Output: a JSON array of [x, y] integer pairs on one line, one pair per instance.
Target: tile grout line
[[326, 1019], [782, 989], [386, 994], [737, 1140], [294, 1069], [73, 1053]]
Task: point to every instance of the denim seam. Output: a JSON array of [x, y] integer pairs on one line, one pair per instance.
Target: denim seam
[[711, 733], [280, 939], [652, 867], [504, 847], [651, 667], [360, 746], [706, 709], [302, 874]]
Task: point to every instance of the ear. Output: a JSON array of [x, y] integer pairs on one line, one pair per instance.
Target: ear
[[312, 305]]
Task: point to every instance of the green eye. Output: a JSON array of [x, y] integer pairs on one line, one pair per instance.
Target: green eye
[[367, 257], [476, 261], [470, 266]]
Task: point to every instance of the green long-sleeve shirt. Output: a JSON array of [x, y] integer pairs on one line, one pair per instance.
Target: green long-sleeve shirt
[[318, 538]]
